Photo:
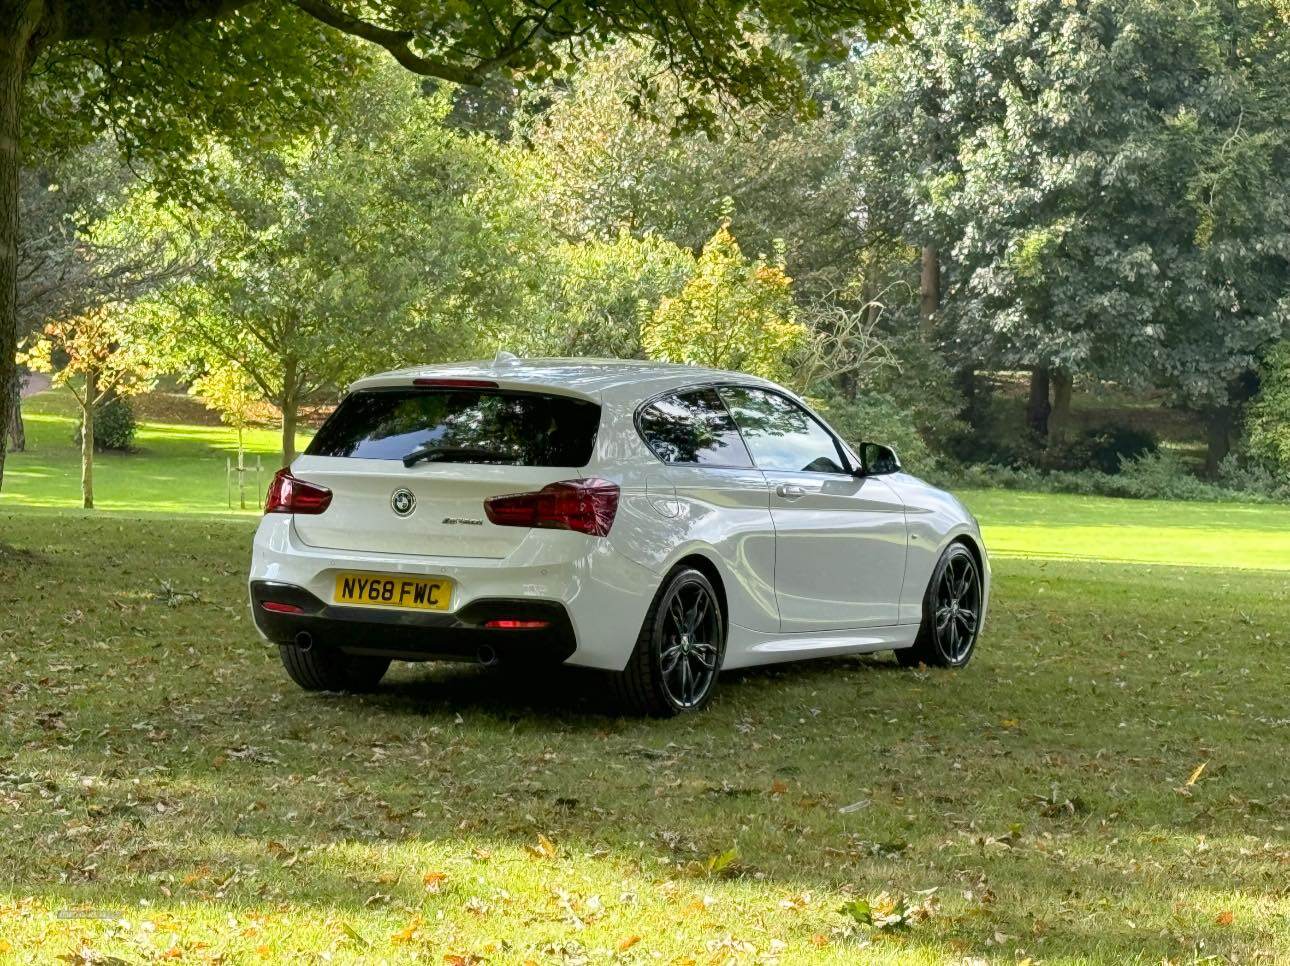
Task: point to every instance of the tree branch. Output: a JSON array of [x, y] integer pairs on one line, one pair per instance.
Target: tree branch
[[397, 42], [113, 19]]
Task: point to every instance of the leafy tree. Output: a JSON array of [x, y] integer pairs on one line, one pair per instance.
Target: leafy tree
[[600, 292], [384, 240], [733, 313], [96, 357], [235, 396], [1103, 185], [166, 75], [75, 255], [1268, 420], [605, 163]]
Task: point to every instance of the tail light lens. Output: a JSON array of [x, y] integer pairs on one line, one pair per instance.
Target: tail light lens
[[587, 506], [290, 495]]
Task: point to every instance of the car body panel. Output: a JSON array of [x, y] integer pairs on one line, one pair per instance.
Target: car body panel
[[840, 551], [842, 569]]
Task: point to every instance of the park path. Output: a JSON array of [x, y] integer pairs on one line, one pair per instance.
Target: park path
[[36, 382]]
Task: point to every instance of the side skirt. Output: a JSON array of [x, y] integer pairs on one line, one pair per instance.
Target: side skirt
[[748, 648]]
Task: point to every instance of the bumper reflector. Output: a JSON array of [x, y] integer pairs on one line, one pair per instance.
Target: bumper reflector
[[510, 625], [280, 608]]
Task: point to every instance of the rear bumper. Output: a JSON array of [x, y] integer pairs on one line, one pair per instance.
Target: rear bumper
[[602, 595], [416, 635]]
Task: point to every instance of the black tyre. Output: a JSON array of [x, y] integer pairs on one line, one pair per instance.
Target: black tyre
[[673, 669], [329, 669], [951, 613]]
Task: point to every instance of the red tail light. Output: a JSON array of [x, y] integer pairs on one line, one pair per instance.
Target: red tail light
[[290, 495], [505, 624], [587, 506]]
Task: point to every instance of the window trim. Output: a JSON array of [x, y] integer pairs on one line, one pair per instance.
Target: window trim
[[843, 449], [675, 391]]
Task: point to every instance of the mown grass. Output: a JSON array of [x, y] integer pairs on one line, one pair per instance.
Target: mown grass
[[175, 468], [157, 767]]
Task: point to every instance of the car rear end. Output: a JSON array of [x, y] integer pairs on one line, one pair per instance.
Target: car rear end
[[433, 517]]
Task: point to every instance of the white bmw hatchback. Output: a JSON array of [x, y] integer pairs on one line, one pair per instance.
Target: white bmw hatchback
[[662, 522]]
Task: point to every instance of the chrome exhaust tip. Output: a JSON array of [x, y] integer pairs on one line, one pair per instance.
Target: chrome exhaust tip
[[486, 656], [304, 640]]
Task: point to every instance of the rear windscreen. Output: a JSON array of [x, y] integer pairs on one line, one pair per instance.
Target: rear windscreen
[[461, 426]]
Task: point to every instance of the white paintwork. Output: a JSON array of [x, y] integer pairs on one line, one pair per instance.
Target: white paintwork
[[839, 569]]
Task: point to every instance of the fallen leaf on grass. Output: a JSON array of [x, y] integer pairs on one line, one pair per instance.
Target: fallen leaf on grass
[[1225, 918], [1196, 773], [434, 880], [888, 913], [722, 862], [778, 787], [545, 848], [458, 959], [628, 943], [354, 934], [405, 934]]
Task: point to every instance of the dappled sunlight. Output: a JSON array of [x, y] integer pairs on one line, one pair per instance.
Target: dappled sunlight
[[159, 764]]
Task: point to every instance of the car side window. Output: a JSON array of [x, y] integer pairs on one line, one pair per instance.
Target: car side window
[[780, 434], [693, 428]]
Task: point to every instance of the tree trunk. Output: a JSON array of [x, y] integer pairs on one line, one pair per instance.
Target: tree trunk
[[1037, 407], [1219, 424], [17, 431], [289, 403], [18, 22], [87, 443], [1059, 420], [929, 292], [966, 380]]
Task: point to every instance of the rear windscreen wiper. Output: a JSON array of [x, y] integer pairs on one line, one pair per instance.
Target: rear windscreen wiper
[[431, 452]]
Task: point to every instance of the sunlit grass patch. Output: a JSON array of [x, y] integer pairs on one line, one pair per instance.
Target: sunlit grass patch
[[155, 763]]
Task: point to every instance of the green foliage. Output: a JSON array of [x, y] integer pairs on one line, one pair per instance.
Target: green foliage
[[876, 418], [733, 313], [114, 425], [601, 167], [599, 292], [1161, 475], [1267, 423], [386, 239], [1102, 448], [1106, 183]]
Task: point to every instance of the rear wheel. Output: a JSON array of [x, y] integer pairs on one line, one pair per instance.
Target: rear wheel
[[329, 669], [673, 669], [951, 613]]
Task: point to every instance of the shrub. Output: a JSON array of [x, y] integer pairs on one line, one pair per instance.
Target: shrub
[[113, 426], [1102, 448], [874, 418]]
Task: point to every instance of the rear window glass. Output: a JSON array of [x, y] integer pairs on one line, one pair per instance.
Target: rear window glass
[[693, 427], [461, 426]]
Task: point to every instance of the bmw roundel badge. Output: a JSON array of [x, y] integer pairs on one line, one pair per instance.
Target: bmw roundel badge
[[403, 502]]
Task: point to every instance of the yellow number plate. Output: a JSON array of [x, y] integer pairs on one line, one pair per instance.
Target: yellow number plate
[[389, 590]]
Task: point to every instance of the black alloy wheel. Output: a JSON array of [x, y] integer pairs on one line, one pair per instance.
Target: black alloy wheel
[[673, 669], [951, 613]]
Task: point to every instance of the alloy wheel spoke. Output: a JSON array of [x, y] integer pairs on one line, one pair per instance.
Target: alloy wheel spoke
[[943, 617], [706, 655]]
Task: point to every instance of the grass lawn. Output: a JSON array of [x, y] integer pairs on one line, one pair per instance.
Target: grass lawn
[[158, 769], [177, 468]]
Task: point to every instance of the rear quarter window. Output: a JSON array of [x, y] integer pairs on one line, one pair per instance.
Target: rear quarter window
[[692, 428], [461, 426]]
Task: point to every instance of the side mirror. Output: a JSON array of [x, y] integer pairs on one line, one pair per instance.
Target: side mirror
[[878, 460]]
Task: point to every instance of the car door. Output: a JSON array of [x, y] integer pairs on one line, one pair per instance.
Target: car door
[[721, 500], [840, 538]]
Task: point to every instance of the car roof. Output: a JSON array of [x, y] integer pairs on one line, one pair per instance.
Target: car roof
[[583, 377]]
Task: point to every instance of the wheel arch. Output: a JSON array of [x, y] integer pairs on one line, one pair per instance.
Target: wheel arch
[[708, 567]]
